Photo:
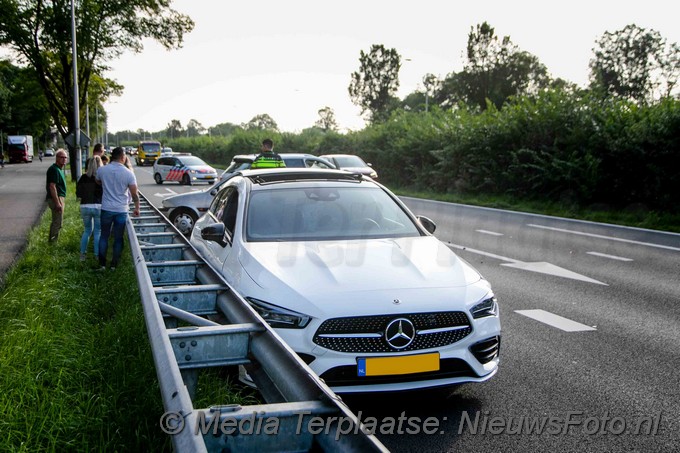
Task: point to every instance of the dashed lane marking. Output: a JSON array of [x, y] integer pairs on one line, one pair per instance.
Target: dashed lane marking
[[491, 233], [611, 257], [600, 236]]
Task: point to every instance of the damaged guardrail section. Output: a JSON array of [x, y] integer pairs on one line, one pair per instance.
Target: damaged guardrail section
[[219, 329]]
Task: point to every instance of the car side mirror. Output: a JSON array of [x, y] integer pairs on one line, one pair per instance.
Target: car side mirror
[[214, 232], [213, 192], [427, 223], [369, 164]]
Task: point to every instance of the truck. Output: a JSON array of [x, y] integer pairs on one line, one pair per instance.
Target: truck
[[20, 148], [147, 152]]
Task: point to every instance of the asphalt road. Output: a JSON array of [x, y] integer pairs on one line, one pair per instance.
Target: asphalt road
[[591, 323], [22, 195]]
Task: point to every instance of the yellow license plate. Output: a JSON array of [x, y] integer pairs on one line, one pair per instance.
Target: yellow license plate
[[209, 177], [403, 364]]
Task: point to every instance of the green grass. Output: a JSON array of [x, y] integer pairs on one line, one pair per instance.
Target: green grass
[[76, 370], [635, 216]]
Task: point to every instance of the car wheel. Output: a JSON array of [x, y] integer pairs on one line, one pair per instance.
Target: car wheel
[[158, 178], [184, 220], [186, 180]]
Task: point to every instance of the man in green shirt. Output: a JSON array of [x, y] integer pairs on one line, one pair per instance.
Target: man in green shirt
[[268, 158], [56, 192]]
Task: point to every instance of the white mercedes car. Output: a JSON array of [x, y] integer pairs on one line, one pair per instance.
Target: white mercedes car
[[354, 282]]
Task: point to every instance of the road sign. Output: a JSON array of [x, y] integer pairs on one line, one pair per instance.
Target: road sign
[[84, 140]]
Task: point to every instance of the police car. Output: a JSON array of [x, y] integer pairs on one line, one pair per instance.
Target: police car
[[183, 168]]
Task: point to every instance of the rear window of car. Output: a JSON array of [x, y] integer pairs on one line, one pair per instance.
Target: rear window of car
[[350, 161], [294, 162], [325, 213]]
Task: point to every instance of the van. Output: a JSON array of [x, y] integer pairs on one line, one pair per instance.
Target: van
[[147, 152]]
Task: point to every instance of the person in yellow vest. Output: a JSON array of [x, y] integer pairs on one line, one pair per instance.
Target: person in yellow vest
[[267, 157]]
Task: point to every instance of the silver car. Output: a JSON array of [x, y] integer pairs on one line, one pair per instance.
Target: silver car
[[292, 160], [184, 209], [351, 162]]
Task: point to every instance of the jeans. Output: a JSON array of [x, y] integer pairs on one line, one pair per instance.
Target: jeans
[[112, 223], [92, 221]]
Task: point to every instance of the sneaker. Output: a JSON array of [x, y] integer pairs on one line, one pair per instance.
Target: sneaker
[[83, 257], [113, 268]]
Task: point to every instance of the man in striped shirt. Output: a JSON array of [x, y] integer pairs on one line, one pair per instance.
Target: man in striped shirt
[[268, 158]]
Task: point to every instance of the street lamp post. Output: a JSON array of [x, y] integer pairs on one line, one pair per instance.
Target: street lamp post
[[76, 104]]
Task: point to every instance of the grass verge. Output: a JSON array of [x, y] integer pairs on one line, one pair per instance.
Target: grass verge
[[76, 366]]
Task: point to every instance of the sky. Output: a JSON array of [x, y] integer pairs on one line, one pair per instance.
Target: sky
[[289, 59]]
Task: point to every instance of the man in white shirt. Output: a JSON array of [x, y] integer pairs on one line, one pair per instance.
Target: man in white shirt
[[118, 182]]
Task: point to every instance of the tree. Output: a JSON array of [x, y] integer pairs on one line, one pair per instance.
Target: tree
[[224, 129], [326, 120], [262, 122], [636, 64], [495, 70], [420, 100], [194, 128], [373, 87], [174, 129], [40, 34], [23, 108]]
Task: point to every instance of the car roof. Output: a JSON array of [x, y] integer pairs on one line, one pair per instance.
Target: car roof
[[246, 157], [269, 175], [340, 155]]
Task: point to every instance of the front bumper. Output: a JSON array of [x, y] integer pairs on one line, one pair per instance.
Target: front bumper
[[475, 358], [198, 177]]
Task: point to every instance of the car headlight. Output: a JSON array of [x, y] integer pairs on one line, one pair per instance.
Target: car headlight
[[279, 317], [487, 307]]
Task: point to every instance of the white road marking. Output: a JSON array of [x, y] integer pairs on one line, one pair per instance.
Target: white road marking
[[599, 236], [611, 257], [479, 252], [551, 269], [555, 321], [163, 195], [540, 267], [489, 232]]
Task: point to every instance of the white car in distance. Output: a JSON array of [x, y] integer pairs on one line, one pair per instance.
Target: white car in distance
[[354, 282]]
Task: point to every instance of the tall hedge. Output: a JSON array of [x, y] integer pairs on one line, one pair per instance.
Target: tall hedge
[[557, 146]]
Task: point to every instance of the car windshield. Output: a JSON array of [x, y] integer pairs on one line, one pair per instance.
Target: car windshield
[[192, 160], [350, 161], [325, 213], [151, 147]]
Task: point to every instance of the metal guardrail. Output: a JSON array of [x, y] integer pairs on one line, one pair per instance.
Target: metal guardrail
[[220, 329]]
